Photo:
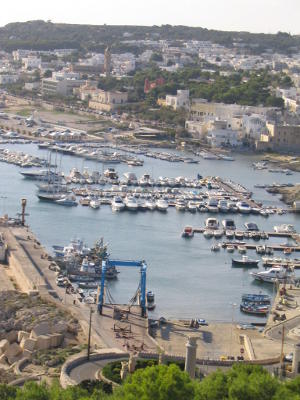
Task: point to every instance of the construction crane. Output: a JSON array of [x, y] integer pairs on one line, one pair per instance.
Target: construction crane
[[125, 263]]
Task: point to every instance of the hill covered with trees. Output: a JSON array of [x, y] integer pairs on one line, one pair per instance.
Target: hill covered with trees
[[42, 35]]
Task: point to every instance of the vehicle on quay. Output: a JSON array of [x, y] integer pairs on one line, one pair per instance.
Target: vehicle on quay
[[245, 262]]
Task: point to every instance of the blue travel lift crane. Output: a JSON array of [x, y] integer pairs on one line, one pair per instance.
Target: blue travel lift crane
[[125, 263]]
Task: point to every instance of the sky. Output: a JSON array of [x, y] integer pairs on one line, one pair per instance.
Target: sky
[[268, 16]]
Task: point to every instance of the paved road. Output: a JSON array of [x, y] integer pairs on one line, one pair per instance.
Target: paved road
[[276, 332], [89, 369]]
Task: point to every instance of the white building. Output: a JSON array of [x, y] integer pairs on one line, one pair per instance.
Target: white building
[[181, 100], [32, 62], [254, 125], [223, 138], [6, 79]]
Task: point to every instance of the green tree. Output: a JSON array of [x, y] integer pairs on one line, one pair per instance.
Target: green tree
[[157, 383], [7, 392]]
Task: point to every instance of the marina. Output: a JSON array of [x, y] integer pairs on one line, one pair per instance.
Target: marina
[[179, 292]]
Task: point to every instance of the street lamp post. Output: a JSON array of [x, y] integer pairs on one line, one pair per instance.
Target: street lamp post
[[89, 337]]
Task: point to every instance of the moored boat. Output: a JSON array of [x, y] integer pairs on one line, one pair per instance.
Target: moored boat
[[245, 262]]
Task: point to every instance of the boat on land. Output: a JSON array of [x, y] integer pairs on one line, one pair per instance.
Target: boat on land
[[246, 262], [188, 232]]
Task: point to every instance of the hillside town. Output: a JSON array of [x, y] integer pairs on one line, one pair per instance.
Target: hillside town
[[116, 84]]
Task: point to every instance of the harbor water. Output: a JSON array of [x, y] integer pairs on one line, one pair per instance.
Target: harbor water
[[189, 280]]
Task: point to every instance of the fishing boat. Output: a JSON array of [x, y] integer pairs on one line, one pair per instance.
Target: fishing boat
[[254, 308], [245, 262], [188, 232], [256, 298]]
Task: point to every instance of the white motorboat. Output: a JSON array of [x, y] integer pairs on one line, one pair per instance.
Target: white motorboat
[[284, 228], [274, 274], [145, 180], [212, 223], [212, 206], [162, 205], [192, 206], [150, 204], [180, 205], [208, 233], [131, 203], [142, 205], [243, 207], [95, 204], [218, 233], [223, 206], [228, 224], [229, 234], [117, 204], [68, 201]]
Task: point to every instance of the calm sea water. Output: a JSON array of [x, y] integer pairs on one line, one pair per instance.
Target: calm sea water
[[188, 279]]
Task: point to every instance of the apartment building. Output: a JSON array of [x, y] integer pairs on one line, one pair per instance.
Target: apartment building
[[107, 100], [281, 138]]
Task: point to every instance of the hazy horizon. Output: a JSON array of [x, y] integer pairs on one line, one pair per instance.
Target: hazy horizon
[[255, 16]]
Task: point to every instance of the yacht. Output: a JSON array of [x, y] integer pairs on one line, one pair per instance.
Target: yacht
[[275, 274], [150, 204], [68, 201], [245, 262], [145, 180], [162, 205], [251, 226], [223, 206], [212, 223], [117, 204], [142, 205], [243, 207], [131, 203], [212, 206], [228, 224]]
